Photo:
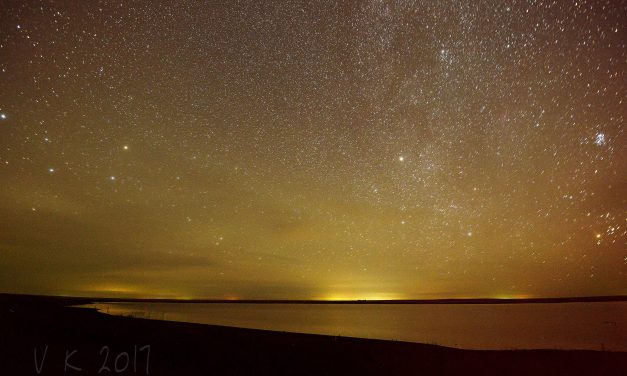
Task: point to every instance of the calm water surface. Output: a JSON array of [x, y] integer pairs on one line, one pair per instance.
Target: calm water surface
[[594, 326]]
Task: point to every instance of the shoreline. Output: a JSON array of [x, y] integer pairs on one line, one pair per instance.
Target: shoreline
[[40, 333]]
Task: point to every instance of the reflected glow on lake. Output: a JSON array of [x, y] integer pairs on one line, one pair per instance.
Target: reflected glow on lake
[[593, 326]]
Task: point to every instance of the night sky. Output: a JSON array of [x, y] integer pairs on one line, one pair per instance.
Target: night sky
[[314, 150]]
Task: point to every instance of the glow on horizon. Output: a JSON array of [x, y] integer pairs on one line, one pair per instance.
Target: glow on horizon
[[512, 296], [356, 297]]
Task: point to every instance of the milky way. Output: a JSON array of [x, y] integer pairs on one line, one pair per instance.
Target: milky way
[[322, 150]]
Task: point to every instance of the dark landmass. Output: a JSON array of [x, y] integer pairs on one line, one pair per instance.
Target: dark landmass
[[39, 332]]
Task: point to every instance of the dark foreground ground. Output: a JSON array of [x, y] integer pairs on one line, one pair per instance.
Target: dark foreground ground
[[37, 334]]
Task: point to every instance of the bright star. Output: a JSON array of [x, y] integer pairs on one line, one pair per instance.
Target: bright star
[[600, 139], [51, 170], [3, 116], [401, 158], [125, 147]]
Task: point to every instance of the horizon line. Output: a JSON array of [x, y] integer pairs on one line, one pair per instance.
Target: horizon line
[[492, 300]]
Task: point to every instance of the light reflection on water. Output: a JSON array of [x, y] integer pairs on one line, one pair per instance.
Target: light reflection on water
[[593, 326]]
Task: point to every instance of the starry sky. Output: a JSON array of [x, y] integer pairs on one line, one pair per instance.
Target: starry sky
[[313, 150]]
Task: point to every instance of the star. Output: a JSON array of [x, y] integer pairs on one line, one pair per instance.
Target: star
[[51, 170], [3, 116], [401, 158], [125, 147]]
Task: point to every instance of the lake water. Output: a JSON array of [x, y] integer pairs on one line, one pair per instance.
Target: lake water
[[593, 326]]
